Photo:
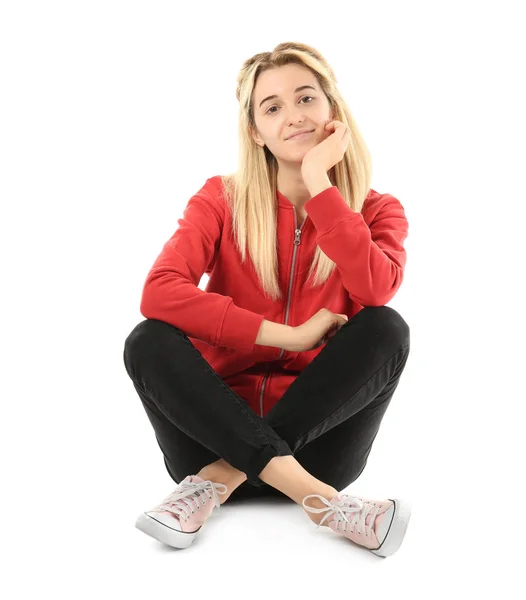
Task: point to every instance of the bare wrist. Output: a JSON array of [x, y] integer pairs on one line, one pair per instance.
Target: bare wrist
[[274, 334]]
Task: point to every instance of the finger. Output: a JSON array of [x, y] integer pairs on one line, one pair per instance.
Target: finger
[[334, 124], [338, 130]]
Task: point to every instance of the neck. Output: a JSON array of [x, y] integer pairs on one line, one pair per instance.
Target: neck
[[290, 183]]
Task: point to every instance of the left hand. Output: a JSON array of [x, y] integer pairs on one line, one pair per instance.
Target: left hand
[[331, 150], [316, 331]]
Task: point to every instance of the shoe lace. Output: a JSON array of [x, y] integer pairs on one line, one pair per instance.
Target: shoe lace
[[347, 505], [187, 496]]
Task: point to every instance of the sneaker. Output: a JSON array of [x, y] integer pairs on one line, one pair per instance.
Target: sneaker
[[378, 525], [180, 516]]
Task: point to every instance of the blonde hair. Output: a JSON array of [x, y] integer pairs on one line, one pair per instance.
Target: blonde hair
[[251, 190]]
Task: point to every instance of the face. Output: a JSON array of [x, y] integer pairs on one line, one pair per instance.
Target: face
[[291, 110]]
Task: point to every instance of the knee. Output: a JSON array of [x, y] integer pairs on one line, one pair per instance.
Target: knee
[[143, 336], [390, 322], [136, 338], [149, 337]]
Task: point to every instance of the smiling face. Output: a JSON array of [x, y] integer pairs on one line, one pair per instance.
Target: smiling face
[[296, 102]]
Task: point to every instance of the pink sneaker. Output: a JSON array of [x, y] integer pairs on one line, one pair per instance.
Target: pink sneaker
[[174, 521], [378, 525]]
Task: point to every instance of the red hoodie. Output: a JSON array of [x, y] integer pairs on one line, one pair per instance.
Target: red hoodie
[[223, 322]]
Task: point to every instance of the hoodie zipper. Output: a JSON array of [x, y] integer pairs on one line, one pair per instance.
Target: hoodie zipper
[[297, 242]]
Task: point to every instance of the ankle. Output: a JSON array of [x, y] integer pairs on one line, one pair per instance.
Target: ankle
[[228, 476], [219, 469], [328, 494]]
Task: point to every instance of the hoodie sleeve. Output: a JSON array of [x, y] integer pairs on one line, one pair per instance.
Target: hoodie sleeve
[[367, 248], [170, 292]]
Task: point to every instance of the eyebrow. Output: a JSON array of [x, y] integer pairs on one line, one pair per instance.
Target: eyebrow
[[302, 87]]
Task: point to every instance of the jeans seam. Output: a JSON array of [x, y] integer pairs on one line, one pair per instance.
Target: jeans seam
[[229, 391], [357, 391]]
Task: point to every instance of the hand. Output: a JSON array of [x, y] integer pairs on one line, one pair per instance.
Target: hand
[[316, 331], [330, 151]]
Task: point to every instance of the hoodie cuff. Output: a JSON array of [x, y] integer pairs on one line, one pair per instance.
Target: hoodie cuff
[[240, 328], [328, 208]]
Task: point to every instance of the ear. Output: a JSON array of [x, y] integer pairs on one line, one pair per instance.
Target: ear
[[255, 136]]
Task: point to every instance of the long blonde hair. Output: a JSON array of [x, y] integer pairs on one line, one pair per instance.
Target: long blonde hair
[[251, 190]]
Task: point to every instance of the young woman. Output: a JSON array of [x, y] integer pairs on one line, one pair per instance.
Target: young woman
[[275, 379]]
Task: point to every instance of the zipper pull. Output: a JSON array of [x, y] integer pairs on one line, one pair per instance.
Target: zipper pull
[[297, 237]]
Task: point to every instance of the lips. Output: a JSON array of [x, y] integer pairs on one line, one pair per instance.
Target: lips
[[299, 133]]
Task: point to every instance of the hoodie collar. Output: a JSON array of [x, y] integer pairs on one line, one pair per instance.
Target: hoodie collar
[[283, 201]]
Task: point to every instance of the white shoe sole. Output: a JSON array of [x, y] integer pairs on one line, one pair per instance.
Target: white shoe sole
[[397, 529], [163, 533]]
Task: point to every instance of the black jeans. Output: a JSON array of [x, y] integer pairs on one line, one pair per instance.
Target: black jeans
[[327, 419]]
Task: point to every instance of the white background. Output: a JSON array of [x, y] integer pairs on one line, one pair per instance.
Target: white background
[[113, 114]]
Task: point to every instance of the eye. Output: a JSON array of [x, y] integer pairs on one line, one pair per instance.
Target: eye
[[276, 107]]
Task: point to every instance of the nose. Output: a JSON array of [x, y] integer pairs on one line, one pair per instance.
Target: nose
[[295, 116], [297, 119]]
